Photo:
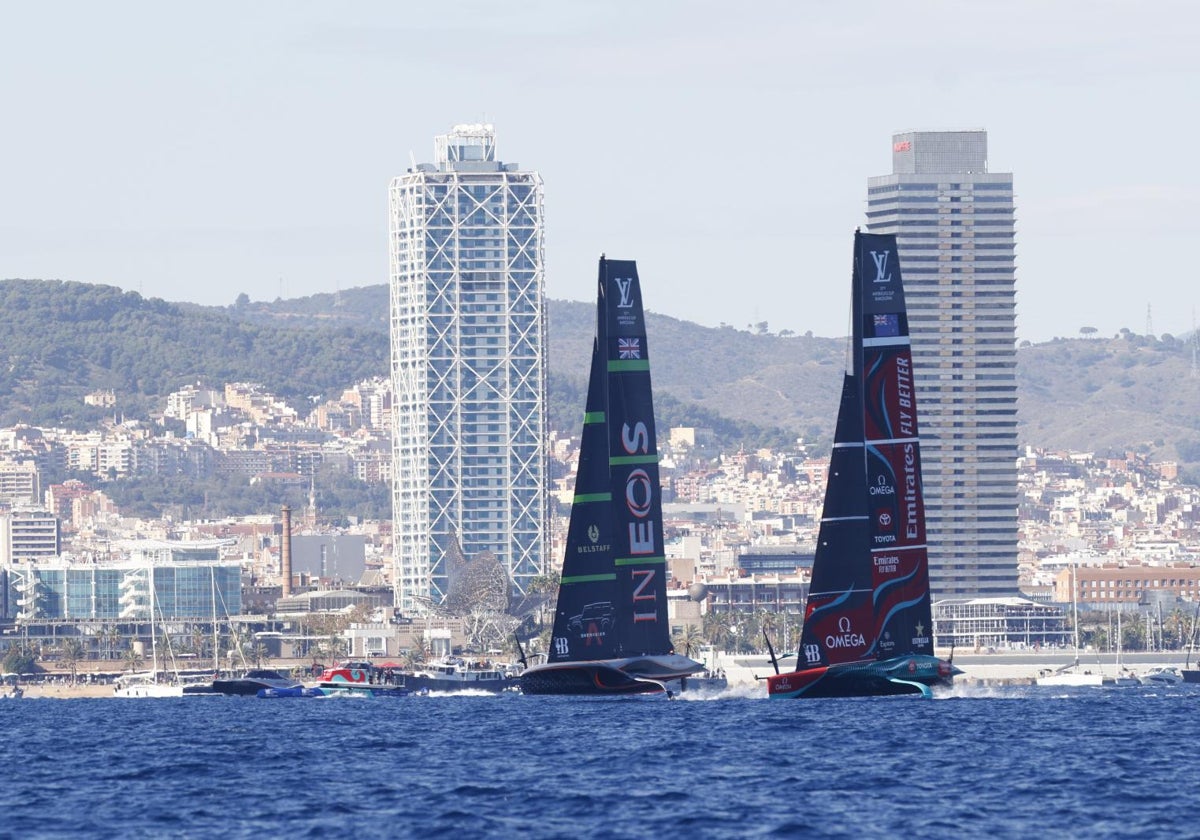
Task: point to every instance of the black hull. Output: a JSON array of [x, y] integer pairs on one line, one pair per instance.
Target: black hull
[[240, 688], [869, 686], [586, 680], [912, 674], [199, 689], [252, 683], [1190, 676]]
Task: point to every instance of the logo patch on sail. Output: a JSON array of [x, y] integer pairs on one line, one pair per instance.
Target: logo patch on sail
[[625, 288]]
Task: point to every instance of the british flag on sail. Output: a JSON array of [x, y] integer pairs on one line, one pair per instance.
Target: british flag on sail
[[629, 348]]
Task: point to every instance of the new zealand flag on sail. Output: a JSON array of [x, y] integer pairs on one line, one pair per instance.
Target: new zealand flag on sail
[[886, 324]]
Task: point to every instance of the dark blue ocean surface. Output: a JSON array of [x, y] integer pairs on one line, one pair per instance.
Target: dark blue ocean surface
[[1012, 763]]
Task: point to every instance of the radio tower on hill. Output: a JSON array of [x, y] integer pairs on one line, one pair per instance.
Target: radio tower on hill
[[1195, 343]]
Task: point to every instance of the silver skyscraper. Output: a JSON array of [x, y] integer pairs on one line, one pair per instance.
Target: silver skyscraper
[[954, 224], [468, 331]]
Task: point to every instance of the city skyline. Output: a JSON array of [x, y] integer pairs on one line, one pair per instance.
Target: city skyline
[[195, 160]]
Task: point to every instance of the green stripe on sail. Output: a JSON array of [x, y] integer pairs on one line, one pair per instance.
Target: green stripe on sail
[[593, 497], [592, 417], [627, 365], [639, 561], [588, 578], [618, 460]]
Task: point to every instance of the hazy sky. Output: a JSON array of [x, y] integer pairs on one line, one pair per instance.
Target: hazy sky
[[197, 151]]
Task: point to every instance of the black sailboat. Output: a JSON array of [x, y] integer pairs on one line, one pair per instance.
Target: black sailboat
[[868, 627], [611, 634]]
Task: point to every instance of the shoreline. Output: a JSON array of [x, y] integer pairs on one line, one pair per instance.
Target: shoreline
[[997, 669]]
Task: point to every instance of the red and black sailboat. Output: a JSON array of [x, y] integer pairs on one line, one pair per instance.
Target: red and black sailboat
[[611, 634], [868, 626]]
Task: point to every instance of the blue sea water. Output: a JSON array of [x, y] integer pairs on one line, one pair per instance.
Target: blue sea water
[[1005, 763]]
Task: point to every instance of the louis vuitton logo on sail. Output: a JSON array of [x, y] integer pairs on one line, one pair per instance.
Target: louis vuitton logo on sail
[[627, 312], [881, 272], [883, 291]]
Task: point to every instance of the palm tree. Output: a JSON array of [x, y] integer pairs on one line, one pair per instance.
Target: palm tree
[[133, 659], [769, 623], [70, 651], [110, 638], [417, 654], [718, 630], [688, 639]]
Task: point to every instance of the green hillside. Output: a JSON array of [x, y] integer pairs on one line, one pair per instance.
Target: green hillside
[[62, 340]]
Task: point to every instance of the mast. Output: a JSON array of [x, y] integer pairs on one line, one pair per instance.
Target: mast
[[1118, 642], [1075, 611], [153, 624], [1192, 642], [212, 574]]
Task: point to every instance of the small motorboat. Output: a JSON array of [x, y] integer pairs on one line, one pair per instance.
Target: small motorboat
[[1164, 675]]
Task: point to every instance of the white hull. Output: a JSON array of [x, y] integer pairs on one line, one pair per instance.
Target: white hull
[[1162, 676], [148, 690], [145, 684], [1072, 678]]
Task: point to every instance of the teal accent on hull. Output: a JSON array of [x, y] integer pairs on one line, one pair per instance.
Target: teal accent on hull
[[925, 690]]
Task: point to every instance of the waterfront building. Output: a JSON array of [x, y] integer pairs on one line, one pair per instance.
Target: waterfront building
[[65, 590], [974, 624], [1113, 586], [468, 332], [954, 225]]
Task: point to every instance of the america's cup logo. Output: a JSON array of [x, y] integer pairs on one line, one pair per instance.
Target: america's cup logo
[[881, 269], [625, 287]]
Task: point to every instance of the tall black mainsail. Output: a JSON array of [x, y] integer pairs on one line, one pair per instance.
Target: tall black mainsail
[[868, 626], [611, 634]]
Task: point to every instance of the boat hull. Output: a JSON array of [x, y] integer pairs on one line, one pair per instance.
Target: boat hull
[[1163, 675], [1190, 676], [632, 675], [420, 682], [360, 690], [914, 674], [252, 683], [585, 679], [149, 690], [294, 691]]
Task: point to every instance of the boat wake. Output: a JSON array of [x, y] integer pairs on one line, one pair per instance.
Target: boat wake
[[741, 691], [463, 692]]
